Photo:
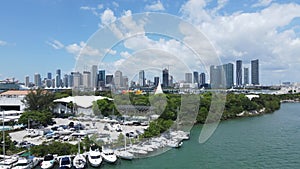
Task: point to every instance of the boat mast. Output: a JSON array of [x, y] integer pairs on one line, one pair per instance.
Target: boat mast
[[78, 145], [3, 132]]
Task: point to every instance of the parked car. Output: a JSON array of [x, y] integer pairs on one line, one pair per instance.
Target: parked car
[[131, 134]]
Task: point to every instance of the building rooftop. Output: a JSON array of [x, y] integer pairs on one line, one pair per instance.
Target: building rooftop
[[15, 92]]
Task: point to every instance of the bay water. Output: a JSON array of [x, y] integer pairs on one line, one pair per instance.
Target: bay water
[[267, 141]]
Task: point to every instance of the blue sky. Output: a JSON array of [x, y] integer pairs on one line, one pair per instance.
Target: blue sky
[[41, 36]]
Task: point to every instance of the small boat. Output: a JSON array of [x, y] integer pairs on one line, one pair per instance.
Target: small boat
[[137, 151], [8, 163], [48, 162], [65, 162], [124, 154], [94, 156], [143, 147], [26, 163], [174, 143], [79, 161], [108, 155]]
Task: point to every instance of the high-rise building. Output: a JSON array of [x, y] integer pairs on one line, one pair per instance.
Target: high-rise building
[[71, 80], [221, 76], [27, 81], [142, 78], [94, 76], [188, 77], [109, 79], [76, 79], [165, 75], [228, 72], [196, 77], [239, 73], [49, 75], [125, 82], [255, 72], [101, 78], [66, 81], [37, 80], [53, 83], [86, 79], [202, 78], [48, 83], [171, 81], [58, 78], [118, 79], [246, 76], [156, 81], [215, 76]]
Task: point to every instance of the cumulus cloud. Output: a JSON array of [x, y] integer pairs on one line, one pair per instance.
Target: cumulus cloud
[[82, 49], [157, 6], [250, 35], [125, 54], [110, 51], [107, 17], [55, 44]]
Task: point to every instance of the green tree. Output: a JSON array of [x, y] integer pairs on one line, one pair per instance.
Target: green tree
[[42, 118], [38, 100], [10, 148]]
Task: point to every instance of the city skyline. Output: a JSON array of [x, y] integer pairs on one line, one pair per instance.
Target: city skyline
[[220, 76], [54, 32]]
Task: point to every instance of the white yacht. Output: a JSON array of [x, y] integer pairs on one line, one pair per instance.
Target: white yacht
[[94, 156], [8, 163], [108, 155], [65, 162], [26, 163], [48, 162]]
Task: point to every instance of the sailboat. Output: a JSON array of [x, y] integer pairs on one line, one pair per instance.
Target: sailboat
[[123, 153], [7, 162], [79, 161]]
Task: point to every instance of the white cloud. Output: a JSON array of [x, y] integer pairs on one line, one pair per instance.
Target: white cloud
[[251, 35], [107, 17], [92, 9], [3, 43], [157, 6], [55, 44], [110, 51], [262, 3], [125, 26], [221, 4], [125, 54], [194, 11], [82, 49]]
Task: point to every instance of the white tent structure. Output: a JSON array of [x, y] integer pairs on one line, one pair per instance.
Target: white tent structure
[[83, 104]]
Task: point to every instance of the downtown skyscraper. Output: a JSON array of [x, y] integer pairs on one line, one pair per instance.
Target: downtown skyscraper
[[255, 72], [165, 75], [239, 73]]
